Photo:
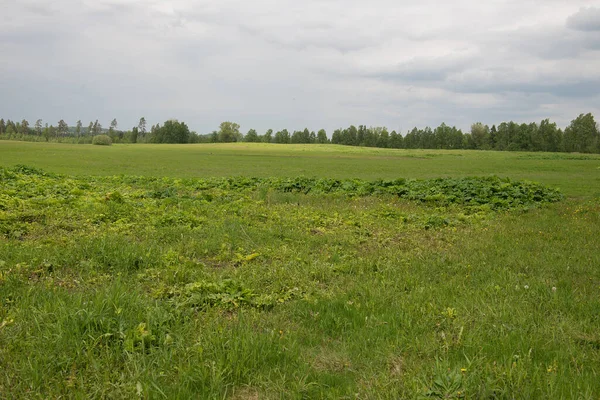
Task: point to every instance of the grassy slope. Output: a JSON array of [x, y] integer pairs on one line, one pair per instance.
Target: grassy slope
[[576, 175], [368, 303]]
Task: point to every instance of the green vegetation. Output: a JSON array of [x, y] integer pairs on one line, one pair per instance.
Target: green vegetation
[[582, 135], [171, 132], [262, 271], [574, 174], [102, 140]]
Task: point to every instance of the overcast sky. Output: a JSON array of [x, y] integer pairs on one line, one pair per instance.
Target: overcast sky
[[294, 64]]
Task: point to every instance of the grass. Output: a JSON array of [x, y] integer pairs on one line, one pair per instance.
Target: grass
[[170, 286], [576, 175]]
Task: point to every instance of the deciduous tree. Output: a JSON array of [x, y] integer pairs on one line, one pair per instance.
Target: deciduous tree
[[251, 136], [172, 131], [479, 135], [229, 132], [268, 136], [582, 135], [282, 136], [322, 136]]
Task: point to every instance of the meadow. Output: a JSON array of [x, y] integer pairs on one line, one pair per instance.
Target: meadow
[[251, 271]]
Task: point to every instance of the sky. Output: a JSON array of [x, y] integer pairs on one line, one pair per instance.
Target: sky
[[295, 64]]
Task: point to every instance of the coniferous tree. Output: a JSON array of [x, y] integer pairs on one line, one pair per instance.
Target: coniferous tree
[[97, 128], [133, 137], [63, 128], [46, 132], [78, 128], [10, 128], [142, 127], [112, 130], [493, 139], [38, 127], [52, 132], [25, 127]]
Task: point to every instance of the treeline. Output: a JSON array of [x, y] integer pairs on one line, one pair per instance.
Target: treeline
[[582, 135], [172, 131], [230, 132], [61, 132]]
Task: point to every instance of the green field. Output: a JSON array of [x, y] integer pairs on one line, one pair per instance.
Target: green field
[[251, 271], [575, 174]]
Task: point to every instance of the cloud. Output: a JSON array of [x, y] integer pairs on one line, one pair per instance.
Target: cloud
[[426, 69], [577, 88], [283, 64], [586, 19]]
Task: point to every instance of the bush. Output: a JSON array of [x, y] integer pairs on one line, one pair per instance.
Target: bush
[[102, 140]]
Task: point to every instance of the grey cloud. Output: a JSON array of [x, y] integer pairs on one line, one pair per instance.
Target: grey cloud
[[31, 38], [41, 9], [280, 63], [111, 10], [430, 69], [309, 34], [584, 88], [586, 19], [325, 42], [550, 46], [548, 43], [592, 42]]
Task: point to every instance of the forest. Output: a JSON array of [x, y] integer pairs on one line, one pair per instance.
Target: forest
[[581, 135]]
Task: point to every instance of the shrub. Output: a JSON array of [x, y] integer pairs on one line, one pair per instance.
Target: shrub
[[102, 140]]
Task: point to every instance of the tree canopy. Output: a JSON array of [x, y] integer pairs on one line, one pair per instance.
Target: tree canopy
[[172, 131], [581, 135]]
